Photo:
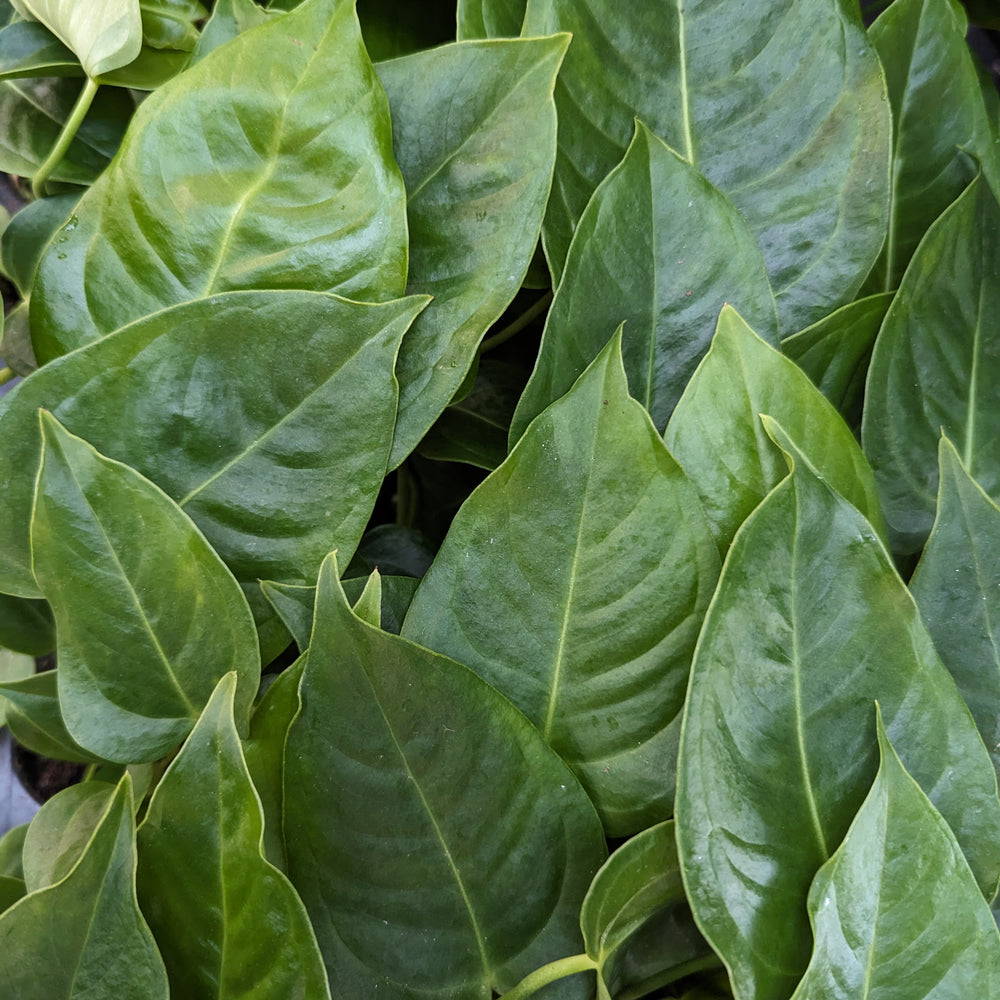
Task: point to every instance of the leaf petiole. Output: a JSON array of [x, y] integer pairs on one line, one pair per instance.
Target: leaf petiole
[[66, 136], [502, 336], [534, 981]]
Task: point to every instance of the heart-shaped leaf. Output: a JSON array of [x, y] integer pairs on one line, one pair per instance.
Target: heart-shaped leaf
[[662, 250], [809, 626], [592, 539], [477, 177], [395, 769], [301, 146], [716, 435], [135, 668], [781, 106], [936, 366], [228, 923], [84, 933], [896, 912]]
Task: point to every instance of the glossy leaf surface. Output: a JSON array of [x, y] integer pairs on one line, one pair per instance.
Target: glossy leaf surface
[[251, 939], [84, 934], [136, 667], [289, 183], [275, 442], [600, 658], [896, 912], [716, 435], [955, 586], [719, 82], [29, 231], [936, 367], [477, 174], [921, 45], [662, 250], [394, 770], [809, 626], [28, 48]]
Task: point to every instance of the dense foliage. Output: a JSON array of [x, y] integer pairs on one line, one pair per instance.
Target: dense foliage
[[412, 654]]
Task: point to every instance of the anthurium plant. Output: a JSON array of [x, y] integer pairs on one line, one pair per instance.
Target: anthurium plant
[[512, 495]]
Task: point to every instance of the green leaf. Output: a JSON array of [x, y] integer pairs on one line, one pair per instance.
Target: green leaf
[[35, 111], [922, 47], [275, 442], [247, 934], [84, 935], [229, 19], [936, 366], [896, 912], [104, 34], [781, 106], [395, 769], [13, 667], [955, 586], [28, 48], [716, 436], [35, 718], [490, 18], [135, 667], [26, 626], [15, 341], [171, 24], [575, 580], [477, 177], [287, 181], [662, 250], [12, 851], [835, 352], [809, 625], [28, 233]]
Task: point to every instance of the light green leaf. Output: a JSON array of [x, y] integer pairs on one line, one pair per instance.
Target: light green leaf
[[835, 352], [575, 580], [13, 667], [780, 105], [955, 587], [84, 935], [104, 34], [936, 366], [287, 181], [662, 250], [896, 912], [135, 667], [922, 47], [477, 174], [810, 624], [274, 442], [228, 923], [395, 845], [490, 18], [717, 437]]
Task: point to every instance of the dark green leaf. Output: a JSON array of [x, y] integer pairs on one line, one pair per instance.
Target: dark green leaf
[[927, 63], [274, 442], [835, 352], [12, 851], [896, 912], [27, 234], [15, 342], [34, 112], [392, 549], [477, 177], [26, 626], [780, 105], [955, 587], [936, 366], [35, 719], [575, 580], [247, 936], [288, 182], [28, 48], [661, 250], [149, 70], [137, 665], [490, 18], [84, 935], [809, 626], [716, 435], [171, 24], [396, 769]]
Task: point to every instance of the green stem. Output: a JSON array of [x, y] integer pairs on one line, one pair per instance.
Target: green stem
[[534, 981], [502, 336], [6, 374], [407, 497], [66, 136], [711, 961]]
